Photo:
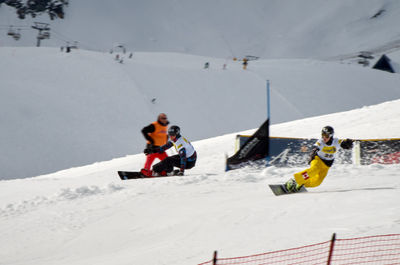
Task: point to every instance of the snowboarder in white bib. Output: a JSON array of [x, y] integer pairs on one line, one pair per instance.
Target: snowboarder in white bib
[[321, 159], [185, 159]]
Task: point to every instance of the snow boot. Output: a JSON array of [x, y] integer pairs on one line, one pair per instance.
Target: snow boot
[[160, 174], [174, 172], [292, 186], [146, 173]]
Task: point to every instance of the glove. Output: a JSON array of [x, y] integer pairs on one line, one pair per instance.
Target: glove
[[146, 151], [312, 155], [347, 144], [158, 150], [149, 149]]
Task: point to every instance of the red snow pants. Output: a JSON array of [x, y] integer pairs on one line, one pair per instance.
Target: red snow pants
[[150, 159]]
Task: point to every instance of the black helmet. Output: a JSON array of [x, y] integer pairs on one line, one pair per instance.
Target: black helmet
[[327, 131], [174, 131]]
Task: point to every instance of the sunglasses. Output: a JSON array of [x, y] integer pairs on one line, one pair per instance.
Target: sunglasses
[[163, 118]]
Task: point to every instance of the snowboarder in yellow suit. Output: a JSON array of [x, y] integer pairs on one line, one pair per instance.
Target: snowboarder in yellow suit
[[321, 159]]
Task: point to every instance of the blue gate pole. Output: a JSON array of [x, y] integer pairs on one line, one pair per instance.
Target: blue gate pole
[[268, 101], [268, 117]]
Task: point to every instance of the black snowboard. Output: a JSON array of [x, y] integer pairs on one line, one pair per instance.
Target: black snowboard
[[125, 175], [280, 189]]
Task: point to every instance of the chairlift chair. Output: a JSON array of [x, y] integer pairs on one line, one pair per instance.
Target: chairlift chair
[[11, 32], [44, 35]]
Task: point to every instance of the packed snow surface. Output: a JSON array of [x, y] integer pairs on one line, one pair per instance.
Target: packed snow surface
[[66, 112], [87, 215]]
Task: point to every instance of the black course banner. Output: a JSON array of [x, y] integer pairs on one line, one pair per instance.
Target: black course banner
[[254, 148]]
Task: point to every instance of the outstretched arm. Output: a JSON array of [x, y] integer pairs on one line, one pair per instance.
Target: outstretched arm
[[347, 144], [313, 153], [165, 147]]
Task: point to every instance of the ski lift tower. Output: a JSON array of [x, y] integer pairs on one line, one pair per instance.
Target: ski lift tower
[[41, 35]]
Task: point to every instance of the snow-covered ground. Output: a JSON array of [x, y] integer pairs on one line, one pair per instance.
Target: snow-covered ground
[[69, 112], [86, 215], [65, 110]]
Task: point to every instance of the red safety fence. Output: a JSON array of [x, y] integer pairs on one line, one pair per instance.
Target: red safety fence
[[383, 249]]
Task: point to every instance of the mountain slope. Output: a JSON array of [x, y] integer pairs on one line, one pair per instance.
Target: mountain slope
[[223, 29], [63, 110], [86, 215]]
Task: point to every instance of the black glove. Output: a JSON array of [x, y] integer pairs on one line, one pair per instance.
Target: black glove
[[149, 149], [158, 150], [312, 155], [347, 144]]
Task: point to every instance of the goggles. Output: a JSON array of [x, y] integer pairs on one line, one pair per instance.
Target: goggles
[[326, 134]]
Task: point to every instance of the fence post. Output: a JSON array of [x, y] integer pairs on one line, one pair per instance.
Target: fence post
[[331, 248], [215, 258]]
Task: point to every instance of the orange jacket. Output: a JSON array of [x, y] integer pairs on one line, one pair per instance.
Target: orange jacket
[[159, 135]]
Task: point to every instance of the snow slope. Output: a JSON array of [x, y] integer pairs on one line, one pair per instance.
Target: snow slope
[[59, 111], [86, 215], [63, 110], [223, 29]]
